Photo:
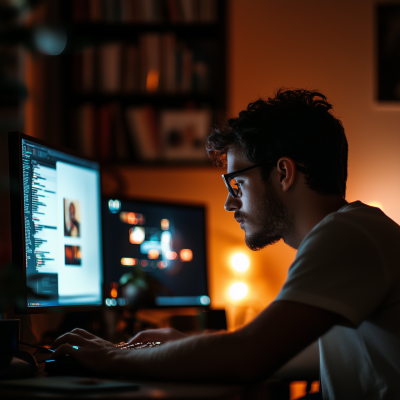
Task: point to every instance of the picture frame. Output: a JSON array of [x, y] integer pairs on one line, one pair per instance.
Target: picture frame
[[387, 73], [183, 134]]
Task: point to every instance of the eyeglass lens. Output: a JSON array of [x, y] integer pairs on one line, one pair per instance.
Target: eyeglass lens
[[234, 186]]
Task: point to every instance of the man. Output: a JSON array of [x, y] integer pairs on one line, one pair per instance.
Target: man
[[287, 169]]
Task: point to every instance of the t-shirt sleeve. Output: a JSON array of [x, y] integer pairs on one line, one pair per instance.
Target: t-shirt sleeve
[[339, 269]]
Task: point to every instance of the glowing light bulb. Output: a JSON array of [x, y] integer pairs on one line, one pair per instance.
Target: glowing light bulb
[[240, 262], [238, 291]]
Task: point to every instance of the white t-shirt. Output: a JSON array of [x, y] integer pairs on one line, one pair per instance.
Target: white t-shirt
[[350, 264]]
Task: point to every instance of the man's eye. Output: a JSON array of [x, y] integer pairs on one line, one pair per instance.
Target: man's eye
[[236, 185]]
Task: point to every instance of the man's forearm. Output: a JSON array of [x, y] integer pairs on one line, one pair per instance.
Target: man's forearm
[[202, 357], [252, 353], [249, 354]]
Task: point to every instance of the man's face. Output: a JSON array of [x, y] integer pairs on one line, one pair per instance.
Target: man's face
[[258, 209]]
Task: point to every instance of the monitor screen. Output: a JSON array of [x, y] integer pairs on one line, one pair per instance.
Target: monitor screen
[[61, 226], [154, 254]]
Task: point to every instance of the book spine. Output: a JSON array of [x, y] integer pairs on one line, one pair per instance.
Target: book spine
[[85, 122], [95, 11], [168, 63], [150, 62], [131, 69], [105, 118], [88, 67], [140, 133], [80, 11], [110, 67]]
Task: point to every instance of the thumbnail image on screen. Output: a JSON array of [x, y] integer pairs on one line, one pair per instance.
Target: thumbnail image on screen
[[62, 221], [154, 254], [72, 216]]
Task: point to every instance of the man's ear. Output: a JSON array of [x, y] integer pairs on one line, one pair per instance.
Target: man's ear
[[287, 172]]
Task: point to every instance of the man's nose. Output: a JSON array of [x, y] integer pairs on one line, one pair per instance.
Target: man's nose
[[232, 203]]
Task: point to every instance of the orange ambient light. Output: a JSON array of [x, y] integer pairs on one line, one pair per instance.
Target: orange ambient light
[[164, 224], [153, 254], [186, 255], [127, 261], [131, 218], [171, 255], [153, 77]]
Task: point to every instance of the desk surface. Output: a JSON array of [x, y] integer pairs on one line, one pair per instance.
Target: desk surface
[[46, 388]]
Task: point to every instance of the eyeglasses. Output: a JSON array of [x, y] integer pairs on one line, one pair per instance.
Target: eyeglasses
[[233, 186]]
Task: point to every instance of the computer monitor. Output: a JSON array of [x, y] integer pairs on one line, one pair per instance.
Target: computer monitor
[[160, 248], [56, 225]]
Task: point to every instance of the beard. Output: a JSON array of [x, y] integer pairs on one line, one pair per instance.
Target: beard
[[272, 218]]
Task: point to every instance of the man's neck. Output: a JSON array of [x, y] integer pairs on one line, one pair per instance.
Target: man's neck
[[309, 212]]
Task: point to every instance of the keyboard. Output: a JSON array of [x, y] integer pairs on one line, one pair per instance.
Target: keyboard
[[136, 346]]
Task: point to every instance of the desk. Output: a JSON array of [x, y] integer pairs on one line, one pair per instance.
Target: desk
[[151, 390]]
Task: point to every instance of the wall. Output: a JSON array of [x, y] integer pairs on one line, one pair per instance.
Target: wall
[[326, 45], [330, 46]]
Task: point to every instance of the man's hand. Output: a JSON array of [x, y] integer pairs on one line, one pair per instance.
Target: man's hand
[[158, 335], [91, 351]]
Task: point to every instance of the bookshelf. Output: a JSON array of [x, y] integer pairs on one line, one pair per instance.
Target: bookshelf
[[142, 81]]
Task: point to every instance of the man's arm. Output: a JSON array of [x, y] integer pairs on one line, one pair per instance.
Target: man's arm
[[249, 354]]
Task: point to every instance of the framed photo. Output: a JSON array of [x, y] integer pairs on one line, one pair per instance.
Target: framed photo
[[388, 52], [183, 135]]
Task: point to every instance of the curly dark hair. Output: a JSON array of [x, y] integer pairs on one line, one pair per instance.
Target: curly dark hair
[[294, 123]]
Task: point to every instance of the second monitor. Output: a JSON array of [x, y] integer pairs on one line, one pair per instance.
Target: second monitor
[[154, 254]]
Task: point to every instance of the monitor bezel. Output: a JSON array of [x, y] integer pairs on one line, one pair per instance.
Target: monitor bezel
[[18, 249], [153, 201]]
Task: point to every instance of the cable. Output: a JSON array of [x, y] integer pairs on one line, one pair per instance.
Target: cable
[[37, 347]]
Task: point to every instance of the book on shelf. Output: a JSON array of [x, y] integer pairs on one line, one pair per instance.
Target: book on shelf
[[130, 69], [168, 63], [122, 144], [88, 67], [149, 62], [80, 10], [143, 130], [110, 57], [157, 64], [85, 123], [105, 128], [102, 133], [144, 11], [112, 132], [95, 11]]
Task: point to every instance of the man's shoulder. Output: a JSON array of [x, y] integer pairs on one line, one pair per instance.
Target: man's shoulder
[[357, 214], [354, 222]]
